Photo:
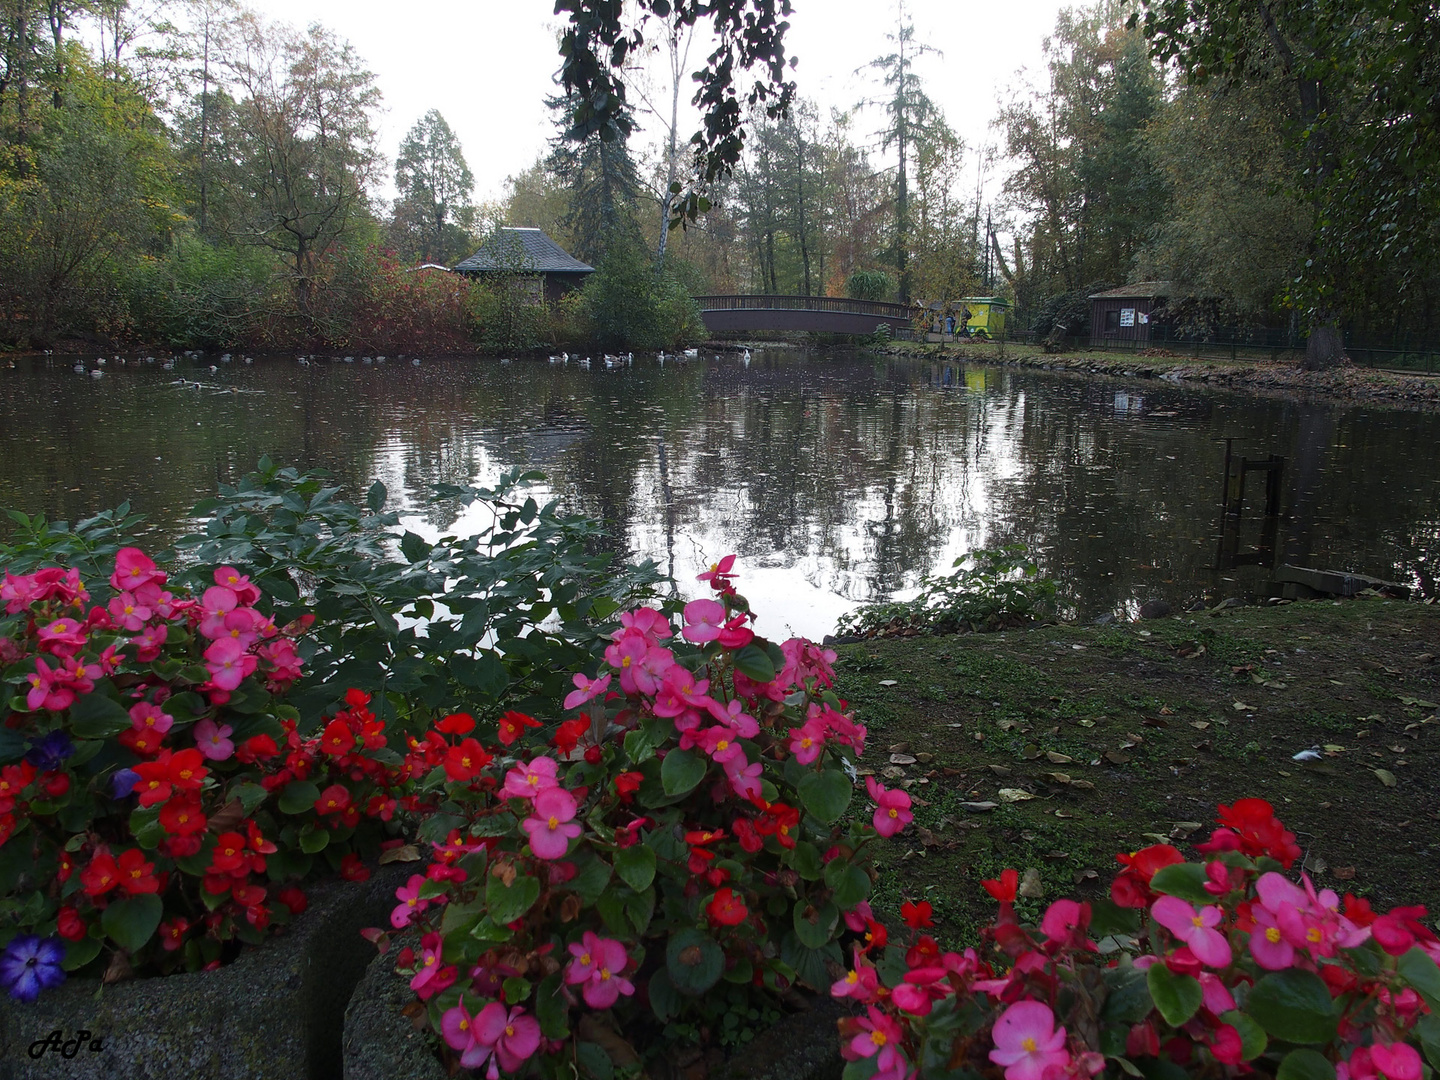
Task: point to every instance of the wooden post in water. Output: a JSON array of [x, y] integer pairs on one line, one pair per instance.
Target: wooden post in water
[[1232, 507]]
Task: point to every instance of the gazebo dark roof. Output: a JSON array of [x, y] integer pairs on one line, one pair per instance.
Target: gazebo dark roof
[[1140, 290], [536, 254]]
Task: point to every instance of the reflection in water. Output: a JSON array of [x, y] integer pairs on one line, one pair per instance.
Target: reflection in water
[[837, 479]]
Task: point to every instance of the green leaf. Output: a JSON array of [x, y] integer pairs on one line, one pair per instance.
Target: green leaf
[[299, 796], [96, 716], [1417, 969], [1185, 880], [826, 794], [1252, 1035], [636, 866], [131, 922], [682, 771], [851, 884], [507, 903], [1293, 1005], [805, 860], [375, 498], [754, 663], [414, 548], [816, 930], [694, 961], [594, 1062], [252, 795], [1305, 1064], [1130, 1002], [79, 953], [1428, 1029], [1108, 918], [1178, 997], [314, 839], [663, 998], [551, 1008]]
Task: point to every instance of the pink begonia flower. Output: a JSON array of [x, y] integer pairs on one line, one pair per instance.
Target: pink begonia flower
[[216, 604], [46, 690], [213, 740], [514, 1037], [625, 655], [147, 717], [63, 637], [553, 826], [1217, 995], [892, 808], [586, 689], [732, 714], [78, 675], [807, 742], [432, 975], [720, 743], [411, 904], [860, 916], [1027, 1041], [228, 663], [133, 568], [704, 620], [1267, 944], [649, 674], [244, 626], [1396, 1061], [596, 967], [148, 643], [862, 982], [735, 634], [718, 569], [128, 612], [528, 780], [227, 577], [457, 1028], [913, 999], [648, 621], [880, 1037], [744, 777], [1195, 930]]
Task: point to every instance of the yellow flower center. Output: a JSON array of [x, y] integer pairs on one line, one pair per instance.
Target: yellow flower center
[[806, 743], [625, 662], [1028, 1045], [878, 1038], [554, 822], [1313, 935], [585, 959], [430, 961], [722, 745], [510, 1029], [714, 567], [852, 978], [1197, 921], [464, 1024], [604, 974], [893, 812], [1272, 935], [129, 609]]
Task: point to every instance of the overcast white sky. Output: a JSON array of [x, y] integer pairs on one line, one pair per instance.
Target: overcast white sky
[[488, 65]]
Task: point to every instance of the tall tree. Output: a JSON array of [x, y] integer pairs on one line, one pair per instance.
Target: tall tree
[[908, 113], [1363, 118], [603, 183], [749, 34], [299, 144], [434, 183]]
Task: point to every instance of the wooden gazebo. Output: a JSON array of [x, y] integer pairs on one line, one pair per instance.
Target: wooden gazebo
[[528, 252]]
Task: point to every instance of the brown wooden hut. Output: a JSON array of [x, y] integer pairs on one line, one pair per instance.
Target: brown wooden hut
[[528, 252], [1122, 316]]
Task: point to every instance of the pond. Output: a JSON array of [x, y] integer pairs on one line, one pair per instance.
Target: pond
[[837, 477]]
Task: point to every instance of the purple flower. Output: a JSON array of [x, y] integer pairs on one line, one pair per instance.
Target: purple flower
[[30, 964], [47, 753], [123, 782]]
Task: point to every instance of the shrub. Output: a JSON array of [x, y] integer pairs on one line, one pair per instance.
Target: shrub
[[682, 837], [372, 302], [200, 296], [870, 285], [156, 798], [1000, 588], [631, 307], [1223, 967]]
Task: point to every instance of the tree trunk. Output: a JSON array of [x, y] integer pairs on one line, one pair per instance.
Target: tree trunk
[[1326, 347]]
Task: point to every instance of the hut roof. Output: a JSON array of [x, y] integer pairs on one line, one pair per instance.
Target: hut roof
[[1140, 290], [526, 250]]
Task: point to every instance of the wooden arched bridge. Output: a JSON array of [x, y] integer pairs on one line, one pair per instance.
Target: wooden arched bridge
[[818, 314]]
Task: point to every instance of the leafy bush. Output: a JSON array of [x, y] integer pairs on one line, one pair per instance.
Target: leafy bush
[[682, 837], [372, 302], [482, 621], [999, 588], [633, 308], [198, 296], [870, 285], [1223, 967], [156, 798]]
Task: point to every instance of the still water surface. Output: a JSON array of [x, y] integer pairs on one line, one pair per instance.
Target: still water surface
[[838, 479]]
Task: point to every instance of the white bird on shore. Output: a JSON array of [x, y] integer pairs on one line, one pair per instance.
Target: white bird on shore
[[415, 362], [1313, 754], [97, 373], [80, 369], [691, 354]]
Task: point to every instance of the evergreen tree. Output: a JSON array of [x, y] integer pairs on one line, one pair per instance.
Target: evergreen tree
[[433, 215]]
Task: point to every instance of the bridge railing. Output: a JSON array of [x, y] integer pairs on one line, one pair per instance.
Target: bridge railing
[[899, 312]]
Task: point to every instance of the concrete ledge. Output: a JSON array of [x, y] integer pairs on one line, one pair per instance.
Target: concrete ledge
[[382, 1044], [276, 1013]]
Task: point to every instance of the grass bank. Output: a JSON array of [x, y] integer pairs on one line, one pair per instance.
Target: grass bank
[[1258, 375], [1056, 746]]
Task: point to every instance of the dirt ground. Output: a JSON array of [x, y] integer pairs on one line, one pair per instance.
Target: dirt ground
[[1052, 748]]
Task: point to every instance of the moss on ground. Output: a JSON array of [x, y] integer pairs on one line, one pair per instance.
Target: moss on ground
[[1126, 735]]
